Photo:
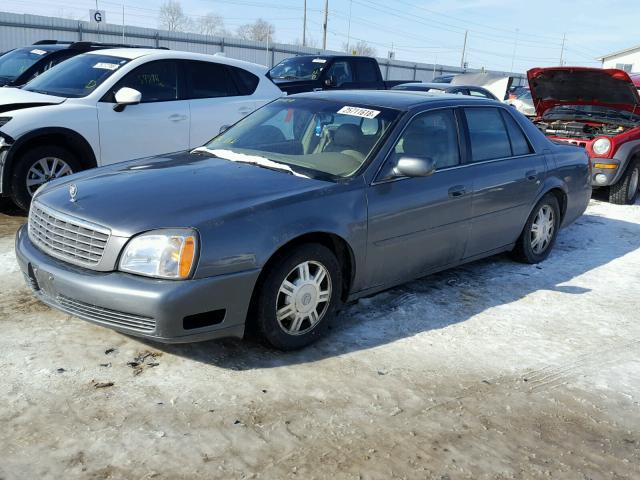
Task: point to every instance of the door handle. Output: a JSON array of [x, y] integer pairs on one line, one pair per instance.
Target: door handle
[[457, 191], [532, 175], [176, 117]]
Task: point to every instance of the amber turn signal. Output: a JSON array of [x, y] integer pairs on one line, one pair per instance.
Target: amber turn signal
[[606, 166], [187, 256]]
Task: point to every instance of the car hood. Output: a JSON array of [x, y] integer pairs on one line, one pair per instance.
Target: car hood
[[15, 99], [181, 190], [612, 88], [495, 83]]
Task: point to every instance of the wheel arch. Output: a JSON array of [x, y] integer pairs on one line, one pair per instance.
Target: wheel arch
[[63, 137]]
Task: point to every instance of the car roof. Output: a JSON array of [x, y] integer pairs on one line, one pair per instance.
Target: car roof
[[47, 48], [156, 54], [396, 99]]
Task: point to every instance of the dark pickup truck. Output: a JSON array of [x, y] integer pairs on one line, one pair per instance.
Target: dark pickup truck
[[309, 73]]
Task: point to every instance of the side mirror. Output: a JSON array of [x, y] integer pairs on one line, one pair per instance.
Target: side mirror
[[126, 96], [330, 81], [414, 167]]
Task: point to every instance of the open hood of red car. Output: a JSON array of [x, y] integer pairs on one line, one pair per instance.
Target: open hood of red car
[[555, 86]]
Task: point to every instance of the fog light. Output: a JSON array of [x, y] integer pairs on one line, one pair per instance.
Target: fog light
[[601, 178]]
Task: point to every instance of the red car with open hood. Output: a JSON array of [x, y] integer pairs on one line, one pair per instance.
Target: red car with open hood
[[599, 110]]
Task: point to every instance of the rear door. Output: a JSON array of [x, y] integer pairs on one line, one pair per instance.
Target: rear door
[[219, 95], [419, 224], [158, 125], [507, 176]]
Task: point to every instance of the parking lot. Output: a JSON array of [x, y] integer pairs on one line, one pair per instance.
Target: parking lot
[[492, 370]]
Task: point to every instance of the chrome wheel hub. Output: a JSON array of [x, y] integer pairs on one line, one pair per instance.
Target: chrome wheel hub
[[44, 170], [633, 183], [542, 229], [303, 298]]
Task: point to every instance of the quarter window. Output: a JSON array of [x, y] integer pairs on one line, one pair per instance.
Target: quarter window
[[209, 80], [156, 81], [246, 82], [519, 143], [487, 133]]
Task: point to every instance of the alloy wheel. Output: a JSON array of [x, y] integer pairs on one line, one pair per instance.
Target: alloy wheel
[[303, 298], [542, 229], [44, 170]]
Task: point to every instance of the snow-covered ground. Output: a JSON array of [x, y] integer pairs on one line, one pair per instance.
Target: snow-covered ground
[[492, 370]]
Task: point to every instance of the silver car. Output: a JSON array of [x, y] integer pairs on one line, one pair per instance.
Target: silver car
[[312, 201]]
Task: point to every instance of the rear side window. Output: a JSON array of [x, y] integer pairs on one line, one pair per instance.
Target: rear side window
[[487, 133], [156, 81], [209, 80], [366, 71], [519, 143], [246, 82]]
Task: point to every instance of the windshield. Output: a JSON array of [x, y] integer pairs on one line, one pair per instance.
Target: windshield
[[16, 62], [298, 68], [77, 77], [316, 138], [591, 112]]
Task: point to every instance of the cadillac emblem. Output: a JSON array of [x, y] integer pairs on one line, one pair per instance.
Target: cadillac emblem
[[73, 192]]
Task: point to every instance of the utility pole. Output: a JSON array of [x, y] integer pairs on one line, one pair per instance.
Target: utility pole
[[464, 48], [304, 25], [564, 38], [515, 46], [324, 26], [123, 23], [349, 28]]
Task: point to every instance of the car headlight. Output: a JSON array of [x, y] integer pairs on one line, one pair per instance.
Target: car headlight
[[167, 253], [4, 120], [601, 146]]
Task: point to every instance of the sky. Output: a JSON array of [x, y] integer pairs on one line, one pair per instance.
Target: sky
[[502, 34]]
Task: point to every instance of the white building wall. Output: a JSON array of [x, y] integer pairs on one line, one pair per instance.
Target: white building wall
[[629, 61]]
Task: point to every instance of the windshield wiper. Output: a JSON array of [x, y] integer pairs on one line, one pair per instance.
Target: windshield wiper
[[250, 159]]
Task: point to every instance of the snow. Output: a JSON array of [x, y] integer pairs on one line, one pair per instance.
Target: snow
[[492, 370]]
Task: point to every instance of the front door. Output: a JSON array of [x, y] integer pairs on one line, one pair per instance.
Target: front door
[[416, 225], [158, 125]]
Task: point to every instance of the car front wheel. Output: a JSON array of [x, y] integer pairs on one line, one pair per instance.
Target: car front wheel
[[540, 231], [299, 295], [625, 192], [38, 166]]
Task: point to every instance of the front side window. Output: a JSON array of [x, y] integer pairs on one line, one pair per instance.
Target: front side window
[[209, 80], [340, 72], [317, 137], [77, 77], [430, 135], [487, 133], [156, 81]]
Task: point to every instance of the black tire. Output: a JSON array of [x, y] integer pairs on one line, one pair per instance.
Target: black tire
[[524, 250], [620, 193], [19, 191], [268, 297]]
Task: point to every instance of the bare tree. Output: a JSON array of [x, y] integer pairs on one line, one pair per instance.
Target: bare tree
[[173, 18], [260, 31], [311, 42], [211, 24], [360, 48]]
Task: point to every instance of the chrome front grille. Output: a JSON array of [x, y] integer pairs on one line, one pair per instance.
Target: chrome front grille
[[65, 237], [105, 315]]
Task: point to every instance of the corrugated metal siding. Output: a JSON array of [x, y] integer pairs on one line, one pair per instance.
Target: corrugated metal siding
[[17, 30]]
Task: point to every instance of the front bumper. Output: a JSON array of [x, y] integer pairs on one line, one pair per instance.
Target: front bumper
[[603, 177], [161, 310]]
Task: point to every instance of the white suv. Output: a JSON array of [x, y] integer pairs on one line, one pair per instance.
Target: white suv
[[113, 105]]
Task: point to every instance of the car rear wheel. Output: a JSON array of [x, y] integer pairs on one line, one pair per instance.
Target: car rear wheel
[[625, 192], [299, 295], [540, 231], [38, 166]]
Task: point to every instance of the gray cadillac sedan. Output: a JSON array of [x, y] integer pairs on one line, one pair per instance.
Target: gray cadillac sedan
[[311, 201]]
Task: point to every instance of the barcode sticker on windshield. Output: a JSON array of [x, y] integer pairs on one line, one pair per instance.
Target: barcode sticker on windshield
[[359, 112], [319, 60], [37, 51], [106, 66]]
